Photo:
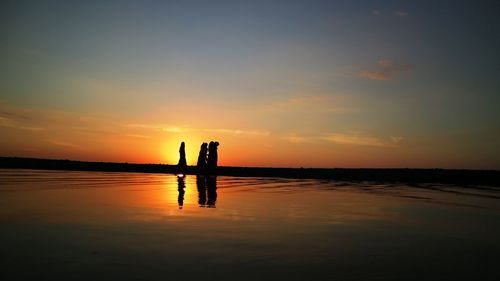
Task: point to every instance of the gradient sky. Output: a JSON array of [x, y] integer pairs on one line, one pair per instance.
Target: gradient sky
[[277, 83]]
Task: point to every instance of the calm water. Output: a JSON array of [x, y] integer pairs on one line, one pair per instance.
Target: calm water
[[101, 226]]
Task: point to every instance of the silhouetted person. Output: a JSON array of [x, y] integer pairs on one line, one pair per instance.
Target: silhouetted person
[[211, 191], [182, 158], [180, 187], [212, 156], [202, 190], [202, 158]]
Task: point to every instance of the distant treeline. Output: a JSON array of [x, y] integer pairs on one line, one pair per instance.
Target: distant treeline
[[408, 176]]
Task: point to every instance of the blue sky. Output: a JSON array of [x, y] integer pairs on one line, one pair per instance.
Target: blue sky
[[390, 83]]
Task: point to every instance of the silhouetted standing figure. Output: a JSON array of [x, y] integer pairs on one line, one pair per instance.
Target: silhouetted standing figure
[[202, 158], [182, 158], [212, 156]]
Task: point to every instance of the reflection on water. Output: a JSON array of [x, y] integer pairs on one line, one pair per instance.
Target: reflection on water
[[201, 185], [207, 190], [126, 226], [180, 187], [211, 191]]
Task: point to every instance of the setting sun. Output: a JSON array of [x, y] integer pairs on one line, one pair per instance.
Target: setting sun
[[170, 150]]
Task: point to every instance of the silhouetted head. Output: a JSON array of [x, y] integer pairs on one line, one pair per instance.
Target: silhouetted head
[[216, 143], [204, 146], [182, 144]]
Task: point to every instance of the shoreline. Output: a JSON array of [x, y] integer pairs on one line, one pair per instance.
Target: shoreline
[[385, 175]]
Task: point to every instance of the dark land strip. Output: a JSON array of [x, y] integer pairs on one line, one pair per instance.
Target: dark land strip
[[476, 178]]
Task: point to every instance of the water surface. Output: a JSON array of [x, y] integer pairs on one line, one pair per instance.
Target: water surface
[[100, 226]]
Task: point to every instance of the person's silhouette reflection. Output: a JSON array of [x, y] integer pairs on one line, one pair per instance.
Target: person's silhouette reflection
[[211, 191], [207, 191], [202, 190], [180, 187]]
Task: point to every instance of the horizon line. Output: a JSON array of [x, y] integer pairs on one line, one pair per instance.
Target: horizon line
[[258, 167]]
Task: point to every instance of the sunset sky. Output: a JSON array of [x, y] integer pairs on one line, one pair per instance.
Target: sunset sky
[[277, 83]]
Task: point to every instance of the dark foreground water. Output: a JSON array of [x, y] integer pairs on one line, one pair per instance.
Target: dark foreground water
[[58, 225]]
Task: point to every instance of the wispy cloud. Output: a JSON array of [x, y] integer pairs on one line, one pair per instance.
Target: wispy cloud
[[182, 129], [374, 75], [7, 122], [238, 132], [11, 123], [13, 115], [305, 99], [387, 70], [160, 127], [347, 139], [17, 118], [63, 144], [144, 126], [175, 129], [298, 100], [299, 139], [316, 103], [401, 14], [137, 136], [396, 139], [354, 139], [363, 140]]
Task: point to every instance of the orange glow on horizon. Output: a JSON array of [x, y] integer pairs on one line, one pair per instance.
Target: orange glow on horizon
[[170, 150], [155, 141]]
